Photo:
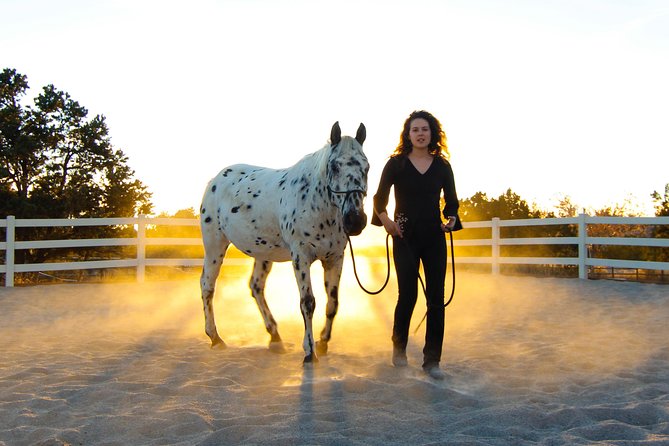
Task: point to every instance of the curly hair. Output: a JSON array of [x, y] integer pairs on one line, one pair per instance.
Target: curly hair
[[437, 147]]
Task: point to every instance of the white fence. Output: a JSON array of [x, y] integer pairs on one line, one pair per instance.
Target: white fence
[[582, 240], [141, 241]]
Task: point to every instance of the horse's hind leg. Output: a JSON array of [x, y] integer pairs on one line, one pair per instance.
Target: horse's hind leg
[[213, 260], [332, 275], [261, 270]]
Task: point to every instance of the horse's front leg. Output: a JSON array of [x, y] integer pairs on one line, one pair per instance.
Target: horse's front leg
[[301, 268], [332, 271]]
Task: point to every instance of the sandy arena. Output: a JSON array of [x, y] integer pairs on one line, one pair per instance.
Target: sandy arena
[[529, 361]]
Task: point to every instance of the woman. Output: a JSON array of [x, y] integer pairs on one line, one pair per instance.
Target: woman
[[419, 171]]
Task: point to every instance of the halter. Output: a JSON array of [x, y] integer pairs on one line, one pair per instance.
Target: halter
[[346, 192]]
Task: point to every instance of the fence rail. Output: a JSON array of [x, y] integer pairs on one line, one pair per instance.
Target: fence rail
[[495, 241]]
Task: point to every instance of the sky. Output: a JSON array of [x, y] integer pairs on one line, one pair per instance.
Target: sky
[[550, 98]]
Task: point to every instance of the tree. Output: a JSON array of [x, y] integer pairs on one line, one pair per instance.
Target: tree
[[507, 206], [661, 202], [476, 208], [566, 208], [662, 210], [57, 163]]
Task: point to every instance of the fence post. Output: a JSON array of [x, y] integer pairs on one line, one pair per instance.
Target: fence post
[[9, 253], [495, 245], [582, 248], [141, 247]]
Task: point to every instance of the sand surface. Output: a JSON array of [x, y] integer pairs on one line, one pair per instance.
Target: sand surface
[[528, 361]]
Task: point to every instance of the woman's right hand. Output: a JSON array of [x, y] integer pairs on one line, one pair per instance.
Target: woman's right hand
[[391, 226], [393, 229]]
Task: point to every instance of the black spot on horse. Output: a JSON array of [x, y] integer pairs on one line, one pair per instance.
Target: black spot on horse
[[207, 220], [213, 188], [309, 303], [334, 168], [235, 209]]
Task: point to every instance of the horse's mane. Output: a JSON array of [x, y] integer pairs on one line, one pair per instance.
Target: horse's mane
[[318, 160], [321, 157]]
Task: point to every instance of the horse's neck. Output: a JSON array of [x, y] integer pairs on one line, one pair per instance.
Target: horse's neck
[[314, 167], [316, 194]]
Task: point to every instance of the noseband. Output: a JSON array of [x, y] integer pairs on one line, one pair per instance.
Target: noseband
[[347, 193]]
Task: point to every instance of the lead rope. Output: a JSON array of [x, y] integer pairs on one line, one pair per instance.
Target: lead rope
[[355, 271], [420, 278]]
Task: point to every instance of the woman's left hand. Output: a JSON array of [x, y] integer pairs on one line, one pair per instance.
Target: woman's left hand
[[448, 227]]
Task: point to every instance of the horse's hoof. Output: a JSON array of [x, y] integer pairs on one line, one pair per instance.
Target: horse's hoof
[[322, 348], [277, 347], [310, 359], [218, 344]]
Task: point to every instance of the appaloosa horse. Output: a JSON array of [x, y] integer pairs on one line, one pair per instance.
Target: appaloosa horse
[[302, 214]]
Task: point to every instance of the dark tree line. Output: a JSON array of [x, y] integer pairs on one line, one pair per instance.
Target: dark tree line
[[510, 206]]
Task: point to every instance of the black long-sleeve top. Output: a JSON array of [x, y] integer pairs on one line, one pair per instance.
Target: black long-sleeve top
[[416, 195]]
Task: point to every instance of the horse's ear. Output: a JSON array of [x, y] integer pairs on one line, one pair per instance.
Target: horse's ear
[[335, 134], [361, 135]]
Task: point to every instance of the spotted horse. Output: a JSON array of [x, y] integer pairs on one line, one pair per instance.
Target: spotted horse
[[300, 214]]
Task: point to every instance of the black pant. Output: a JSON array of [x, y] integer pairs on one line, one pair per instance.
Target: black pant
[[428, 247]]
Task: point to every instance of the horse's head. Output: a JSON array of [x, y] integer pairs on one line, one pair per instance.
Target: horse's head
[[347, 177]]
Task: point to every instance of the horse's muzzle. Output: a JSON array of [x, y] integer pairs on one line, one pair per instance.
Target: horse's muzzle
[[354, 222]]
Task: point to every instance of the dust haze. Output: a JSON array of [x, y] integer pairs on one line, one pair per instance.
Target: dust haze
[[503, 328]]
